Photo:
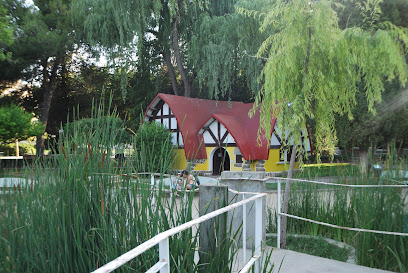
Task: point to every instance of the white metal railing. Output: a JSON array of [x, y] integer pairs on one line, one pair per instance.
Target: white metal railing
[[280, 214], [162, 239]]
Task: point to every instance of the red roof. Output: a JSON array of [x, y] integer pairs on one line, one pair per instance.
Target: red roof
[[192, 114]]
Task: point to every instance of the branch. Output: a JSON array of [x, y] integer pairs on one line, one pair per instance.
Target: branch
[[256, 57], [154, 32]]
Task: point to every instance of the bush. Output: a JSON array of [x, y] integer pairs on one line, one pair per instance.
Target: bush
[[15, 123], [154, 147], [89, 126], [10, 149]]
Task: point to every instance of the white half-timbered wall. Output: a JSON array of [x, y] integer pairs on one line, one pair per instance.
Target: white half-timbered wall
[[215, 134], [276, 141], [160, 112]]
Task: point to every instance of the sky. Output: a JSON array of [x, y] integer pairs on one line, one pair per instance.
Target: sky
[[29, 2]]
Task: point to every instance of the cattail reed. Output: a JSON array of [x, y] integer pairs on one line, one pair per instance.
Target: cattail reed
[[85, 210]]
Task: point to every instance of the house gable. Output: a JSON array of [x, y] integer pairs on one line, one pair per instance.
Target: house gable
[[161, 112], [215, 134], [276, 141]]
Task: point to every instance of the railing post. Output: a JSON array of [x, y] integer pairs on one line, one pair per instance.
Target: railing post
[[244, 214], [164, 255], [278, 217], [258, 232], [245, 182], [213, 231]]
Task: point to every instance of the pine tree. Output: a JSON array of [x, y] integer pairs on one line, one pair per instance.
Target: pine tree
[[44, 40], [6, 33]]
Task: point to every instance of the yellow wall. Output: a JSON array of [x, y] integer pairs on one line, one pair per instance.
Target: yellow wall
[[206, 165], [180, 161], [271, 165], [233, 159]]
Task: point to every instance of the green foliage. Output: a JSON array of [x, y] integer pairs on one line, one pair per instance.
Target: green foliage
[[6, 33], [313, 67], [15, 123], [315, 246], [90, 126], [327, 170], [388, 125], [120, 28], [381, 209], [78, 211], [222, 50], [44, 40], [24, 148], [154, 147], [43, 31], [215, 43]]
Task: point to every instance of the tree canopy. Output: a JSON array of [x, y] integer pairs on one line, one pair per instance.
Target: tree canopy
[[15, 123], [6, 32], [314, 67], [365, 129], [201, 37], [45, 38], [168, 45]]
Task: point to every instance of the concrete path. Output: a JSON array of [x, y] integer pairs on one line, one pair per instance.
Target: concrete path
[[287, 261]]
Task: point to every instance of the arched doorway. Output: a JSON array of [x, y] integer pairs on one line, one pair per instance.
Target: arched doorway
[[221, 161]]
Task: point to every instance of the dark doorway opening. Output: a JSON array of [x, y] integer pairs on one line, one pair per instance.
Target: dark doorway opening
[[221, 161]]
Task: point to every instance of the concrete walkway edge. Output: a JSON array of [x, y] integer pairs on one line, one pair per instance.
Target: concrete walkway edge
[[287, 261]]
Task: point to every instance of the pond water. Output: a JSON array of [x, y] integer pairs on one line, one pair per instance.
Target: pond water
[[204, 180], [10, 182], [401, 176]]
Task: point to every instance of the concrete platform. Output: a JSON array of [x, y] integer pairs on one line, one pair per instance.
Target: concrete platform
[[287, 261]]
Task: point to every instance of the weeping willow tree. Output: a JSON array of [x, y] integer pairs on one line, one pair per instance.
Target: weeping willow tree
[[223, 48], [120, 28], [313, 69], [204, 44]]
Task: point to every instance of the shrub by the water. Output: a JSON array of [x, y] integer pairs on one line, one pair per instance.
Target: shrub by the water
[[10, 149], [91, 125], [154, 147]]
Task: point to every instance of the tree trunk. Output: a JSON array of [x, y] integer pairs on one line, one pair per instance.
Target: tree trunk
[[166, 56], [364, 161], [49, 81], [17, 149], [179, 61], [286, 198], [292, 158]]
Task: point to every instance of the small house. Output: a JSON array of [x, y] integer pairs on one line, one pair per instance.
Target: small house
[[214, 136]]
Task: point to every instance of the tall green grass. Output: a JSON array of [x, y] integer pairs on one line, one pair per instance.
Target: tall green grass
[[82, 209], [327, 170], [384, 209]]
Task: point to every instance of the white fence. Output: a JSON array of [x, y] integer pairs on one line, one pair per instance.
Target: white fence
[[280, 214], [162, 239]]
